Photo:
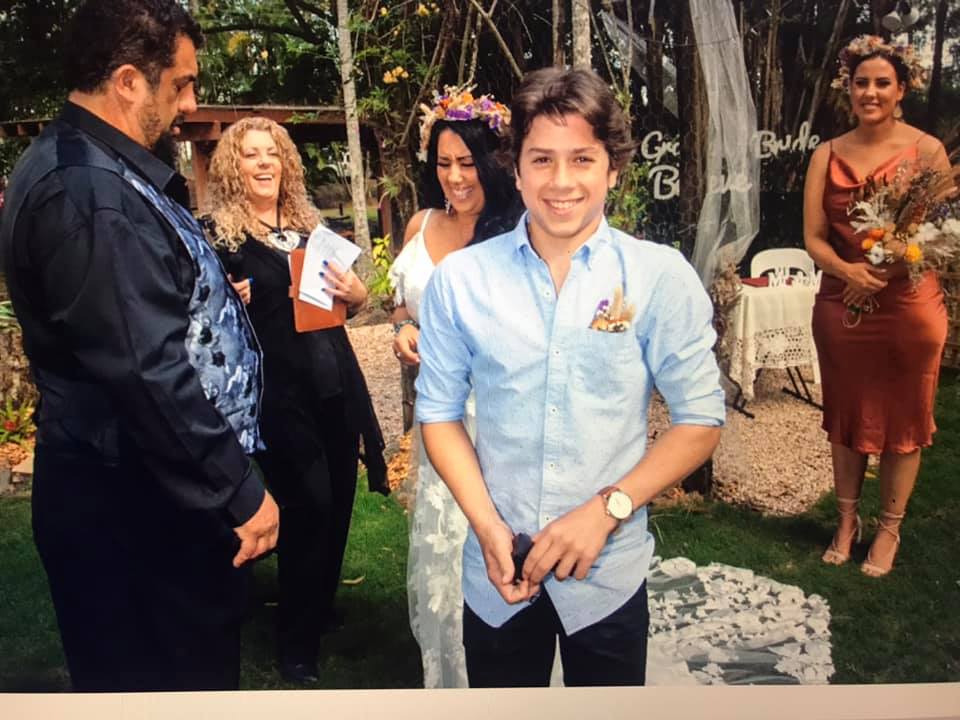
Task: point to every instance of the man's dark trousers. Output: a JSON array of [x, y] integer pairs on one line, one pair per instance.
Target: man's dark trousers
[[145, 593], [612, 651]]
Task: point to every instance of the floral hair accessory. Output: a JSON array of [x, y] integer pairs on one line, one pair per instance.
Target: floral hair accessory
[[459, 103], [873, 44]]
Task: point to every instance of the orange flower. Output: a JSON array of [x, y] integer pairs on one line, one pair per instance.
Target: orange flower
[[875, 233], [466, 98], [912, 254], [867, 244]]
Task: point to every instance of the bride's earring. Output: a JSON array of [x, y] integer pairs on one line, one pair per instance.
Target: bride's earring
[[446, 206], [898, 112]]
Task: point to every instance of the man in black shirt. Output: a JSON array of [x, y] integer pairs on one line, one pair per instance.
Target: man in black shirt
[[145, 503]]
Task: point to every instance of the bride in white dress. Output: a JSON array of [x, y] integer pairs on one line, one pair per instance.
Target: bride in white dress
[[470, 198]]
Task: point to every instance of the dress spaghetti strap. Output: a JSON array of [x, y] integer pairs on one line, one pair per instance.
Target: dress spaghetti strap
[[423, 223]]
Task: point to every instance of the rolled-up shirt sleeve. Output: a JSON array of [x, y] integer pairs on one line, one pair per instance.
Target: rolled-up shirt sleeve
[[114, 289], [443, 383], [679, 347]]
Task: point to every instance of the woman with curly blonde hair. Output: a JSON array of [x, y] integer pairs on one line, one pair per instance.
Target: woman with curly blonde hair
[[231, 209], [315, 401]]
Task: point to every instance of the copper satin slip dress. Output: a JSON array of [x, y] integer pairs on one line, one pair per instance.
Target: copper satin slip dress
[[879, 377]]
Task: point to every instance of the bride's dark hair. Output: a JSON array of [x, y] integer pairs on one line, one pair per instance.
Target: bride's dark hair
[[501, 204]]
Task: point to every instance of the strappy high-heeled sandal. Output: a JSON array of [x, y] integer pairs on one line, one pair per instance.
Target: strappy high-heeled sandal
[[869, 567], [832, 555]]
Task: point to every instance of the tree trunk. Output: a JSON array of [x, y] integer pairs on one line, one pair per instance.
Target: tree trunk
[[654, 64], [467, 40], [773, 73], [16, 383], [580, 22], [826, 67], [692, 108], [361, 230], [556, 18], [936, 76]]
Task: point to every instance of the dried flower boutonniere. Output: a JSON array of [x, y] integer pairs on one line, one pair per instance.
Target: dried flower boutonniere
[[613, 316]]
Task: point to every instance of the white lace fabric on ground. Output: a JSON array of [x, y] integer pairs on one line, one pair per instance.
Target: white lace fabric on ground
[[723, 625]]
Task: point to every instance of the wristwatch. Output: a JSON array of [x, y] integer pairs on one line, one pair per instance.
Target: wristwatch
[[617, 503]]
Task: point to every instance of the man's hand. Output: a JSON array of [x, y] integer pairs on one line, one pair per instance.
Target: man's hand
[[258, 534], [570, 544], [496, 541]]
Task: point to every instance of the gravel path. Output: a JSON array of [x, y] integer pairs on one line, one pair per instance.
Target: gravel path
[[372, 344], [777, 463]]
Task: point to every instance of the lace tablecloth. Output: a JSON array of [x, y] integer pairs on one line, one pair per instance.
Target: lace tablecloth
[[770, 328]]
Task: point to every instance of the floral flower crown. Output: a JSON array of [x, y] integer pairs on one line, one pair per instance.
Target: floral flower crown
[[458, 103], [871, 44]]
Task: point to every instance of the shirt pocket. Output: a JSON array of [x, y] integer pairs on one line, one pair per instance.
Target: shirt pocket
[[609, 364]]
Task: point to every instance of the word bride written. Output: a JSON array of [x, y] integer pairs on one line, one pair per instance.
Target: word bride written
[[666, 176]]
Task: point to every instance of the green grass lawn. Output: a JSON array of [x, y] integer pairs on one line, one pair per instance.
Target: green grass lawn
[[902, 628]]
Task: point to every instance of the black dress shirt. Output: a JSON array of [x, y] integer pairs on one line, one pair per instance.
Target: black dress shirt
[[101, 286]]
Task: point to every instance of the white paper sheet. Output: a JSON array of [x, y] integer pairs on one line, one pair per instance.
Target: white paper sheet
[[324, 244]]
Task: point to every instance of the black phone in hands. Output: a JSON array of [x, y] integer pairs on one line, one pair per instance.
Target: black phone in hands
[[522, 544]]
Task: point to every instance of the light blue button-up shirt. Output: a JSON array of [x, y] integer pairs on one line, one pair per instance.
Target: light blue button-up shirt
[[561, 408]]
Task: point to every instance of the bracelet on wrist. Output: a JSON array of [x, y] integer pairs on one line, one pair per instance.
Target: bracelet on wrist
[[398, 326]]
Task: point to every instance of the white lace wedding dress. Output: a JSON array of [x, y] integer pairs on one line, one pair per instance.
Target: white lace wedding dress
[[438, 528], [716, 624]]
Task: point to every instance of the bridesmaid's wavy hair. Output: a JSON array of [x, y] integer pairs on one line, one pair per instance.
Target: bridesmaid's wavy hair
[[501, 202], [899, 66], [227, 202]]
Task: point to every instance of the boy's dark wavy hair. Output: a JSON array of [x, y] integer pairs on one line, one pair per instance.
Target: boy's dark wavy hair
[[501, 207], [557, 92], [105, 34]]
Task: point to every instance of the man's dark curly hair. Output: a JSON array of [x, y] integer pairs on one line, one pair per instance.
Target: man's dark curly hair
[[105, 34], [557, 92]]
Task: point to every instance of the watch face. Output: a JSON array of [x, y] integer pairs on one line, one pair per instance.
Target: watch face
[[620, 505]]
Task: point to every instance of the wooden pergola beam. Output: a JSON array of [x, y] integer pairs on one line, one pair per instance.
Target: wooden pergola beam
[[203, 128]]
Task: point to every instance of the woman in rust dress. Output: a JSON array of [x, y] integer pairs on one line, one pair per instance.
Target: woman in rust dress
[[879, 363]]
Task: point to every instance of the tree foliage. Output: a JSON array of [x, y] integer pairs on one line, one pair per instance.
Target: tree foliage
[[285, 51]]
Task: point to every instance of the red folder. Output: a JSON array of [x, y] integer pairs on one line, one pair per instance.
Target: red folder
[[307, 316]]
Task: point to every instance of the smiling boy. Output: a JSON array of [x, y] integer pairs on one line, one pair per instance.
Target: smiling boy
[[564, 326]]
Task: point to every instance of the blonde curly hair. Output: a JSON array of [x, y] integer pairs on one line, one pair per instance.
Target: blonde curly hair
[[227, 203]]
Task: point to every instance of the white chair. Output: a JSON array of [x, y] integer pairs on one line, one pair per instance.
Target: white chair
[[784, 260]]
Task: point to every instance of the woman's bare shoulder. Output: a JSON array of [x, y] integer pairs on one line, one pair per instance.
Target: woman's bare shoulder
[[414, 224], [820, 155]]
